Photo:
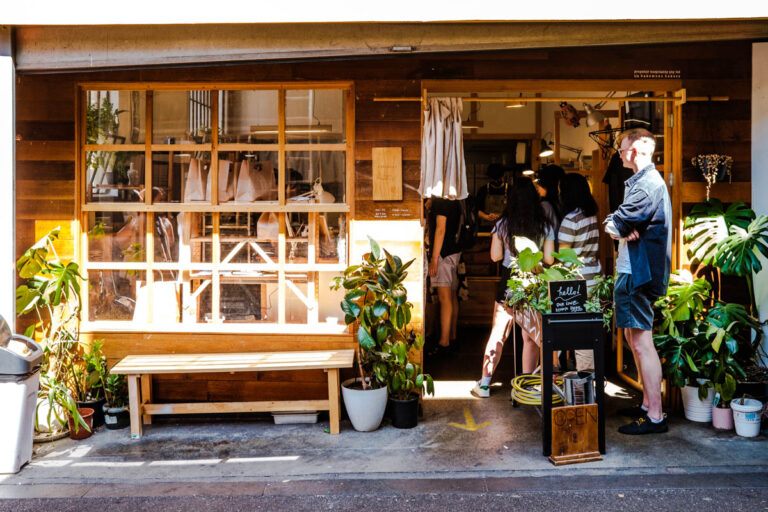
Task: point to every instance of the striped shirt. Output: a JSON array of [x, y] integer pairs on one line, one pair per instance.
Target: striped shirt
[[583, 235]]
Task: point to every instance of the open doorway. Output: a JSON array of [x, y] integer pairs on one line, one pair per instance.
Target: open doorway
[[522, 130]]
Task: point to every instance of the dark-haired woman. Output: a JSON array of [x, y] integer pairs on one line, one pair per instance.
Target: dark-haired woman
[[579, 231], [548, 186], [523, 224]]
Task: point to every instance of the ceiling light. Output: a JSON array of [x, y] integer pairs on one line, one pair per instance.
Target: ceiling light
[[515, 103], [401, 49], [528, 172]]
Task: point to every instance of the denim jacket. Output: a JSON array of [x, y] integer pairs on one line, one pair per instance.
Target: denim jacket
[[647, 209]]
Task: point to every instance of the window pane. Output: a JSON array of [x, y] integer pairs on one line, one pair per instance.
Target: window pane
[[181, 117], [114, 176], [166, 235], [248, 117], [331, 241], [329, 311], [197, 298], [249, 238], [314, 116], [115, 117], [116, 237], [297, 297], [247, 176], [181, 177], [112, 295], [315, 176], [249, 299]]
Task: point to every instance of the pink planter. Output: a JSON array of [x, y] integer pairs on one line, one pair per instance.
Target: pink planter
[[722, 419]]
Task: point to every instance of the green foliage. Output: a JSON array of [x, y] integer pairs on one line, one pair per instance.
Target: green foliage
[[709, 224], [89, 373], [116, 389], [51, 290], [696, 342], [377, 302], [528, 282]]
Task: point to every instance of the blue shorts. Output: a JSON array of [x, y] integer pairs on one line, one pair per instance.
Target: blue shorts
[[633, 308]]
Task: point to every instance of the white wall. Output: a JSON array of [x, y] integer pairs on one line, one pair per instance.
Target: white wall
[[7, 191], [760, 164]]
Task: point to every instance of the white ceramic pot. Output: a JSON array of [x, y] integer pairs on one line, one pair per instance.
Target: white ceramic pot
[[746, 416], [695, 409], [365, 407]]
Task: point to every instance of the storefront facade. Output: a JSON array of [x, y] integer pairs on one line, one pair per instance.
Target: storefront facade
[[204, 265]]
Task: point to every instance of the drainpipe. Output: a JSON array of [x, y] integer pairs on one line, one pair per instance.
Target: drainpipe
[[7, 179], [760, 169]]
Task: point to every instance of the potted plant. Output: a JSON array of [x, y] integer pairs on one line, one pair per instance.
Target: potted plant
[[730, 241], [88, 372], [684, 347], [51, 292], [116, 415], [375, 304]]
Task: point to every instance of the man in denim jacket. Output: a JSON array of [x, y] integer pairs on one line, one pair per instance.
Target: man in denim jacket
[[643, 226]]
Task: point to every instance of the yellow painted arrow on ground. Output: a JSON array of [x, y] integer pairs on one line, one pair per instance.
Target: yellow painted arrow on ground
[[470, 422]]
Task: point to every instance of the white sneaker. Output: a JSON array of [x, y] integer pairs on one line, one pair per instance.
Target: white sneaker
[[481, 391]]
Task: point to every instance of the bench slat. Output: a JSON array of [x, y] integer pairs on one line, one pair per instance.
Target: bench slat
[[234, 362], [229, 407]]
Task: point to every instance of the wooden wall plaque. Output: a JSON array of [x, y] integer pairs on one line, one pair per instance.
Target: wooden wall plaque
[[387, 174], [574, 434]]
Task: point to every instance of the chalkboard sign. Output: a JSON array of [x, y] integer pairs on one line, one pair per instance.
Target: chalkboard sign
[[568, 296]]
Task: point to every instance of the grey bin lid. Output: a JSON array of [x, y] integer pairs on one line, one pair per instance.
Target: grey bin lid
[[19, 355]]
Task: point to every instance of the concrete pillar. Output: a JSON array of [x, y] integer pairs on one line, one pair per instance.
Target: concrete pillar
[[760, 166], [7, 180]]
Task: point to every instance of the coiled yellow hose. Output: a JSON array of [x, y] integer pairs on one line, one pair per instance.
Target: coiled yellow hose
[[526, 389]]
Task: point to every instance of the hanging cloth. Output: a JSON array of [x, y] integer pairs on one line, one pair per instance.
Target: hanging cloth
[[443, 170]]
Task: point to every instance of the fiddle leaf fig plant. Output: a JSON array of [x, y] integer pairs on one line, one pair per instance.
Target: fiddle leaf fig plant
[[376, 303]]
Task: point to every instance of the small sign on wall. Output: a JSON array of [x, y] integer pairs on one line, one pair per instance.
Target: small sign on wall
[[387, 174], [568, 296]]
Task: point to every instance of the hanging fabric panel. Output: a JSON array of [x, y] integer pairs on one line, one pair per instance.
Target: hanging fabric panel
[[443, 170]]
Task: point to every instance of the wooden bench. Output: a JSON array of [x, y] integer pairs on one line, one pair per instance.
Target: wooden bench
[[139, 369]]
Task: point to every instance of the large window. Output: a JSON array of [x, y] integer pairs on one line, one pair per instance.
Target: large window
[[219, 206]]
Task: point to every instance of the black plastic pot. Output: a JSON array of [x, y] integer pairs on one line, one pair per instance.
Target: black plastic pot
[[96, 405], [116, 418], [404, 413]]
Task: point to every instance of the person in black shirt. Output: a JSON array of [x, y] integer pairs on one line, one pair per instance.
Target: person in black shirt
[[492, 197], [444, 216]]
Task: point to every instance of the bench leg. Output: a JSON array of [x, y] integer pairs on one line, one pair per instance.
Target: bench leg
[[146, 397], [333, 399], [134, 402]]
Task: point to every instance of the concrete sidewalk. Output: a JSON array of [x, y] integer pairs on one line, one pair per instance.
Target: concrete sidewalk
[[218, 452]]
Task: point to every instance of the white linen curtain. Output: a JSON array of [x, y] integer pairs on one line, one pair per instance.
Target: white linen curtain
[[443, 170]]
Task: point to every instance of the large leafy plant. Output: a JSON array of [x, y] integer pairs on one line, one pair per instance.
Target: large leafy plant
[[732, 240], [697, 342], [376, 302], [51, 291]]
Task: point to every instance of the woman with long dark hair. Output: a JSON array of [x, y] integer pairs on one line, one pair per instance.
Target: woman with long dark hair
[[548, 186], [580, 231], [523, 224]]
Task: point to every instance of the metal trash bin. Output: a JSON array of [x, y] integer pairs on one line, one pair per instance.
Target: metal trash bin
[[579, 387], [20, 361]]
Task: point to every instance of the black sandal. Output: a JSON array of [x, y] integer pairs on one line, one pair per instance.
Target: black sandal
[[440, 350]]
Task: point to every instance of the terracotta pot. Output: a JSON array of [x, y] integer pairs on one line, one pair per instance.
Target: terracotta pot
[[722, 419], [82, 433]]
